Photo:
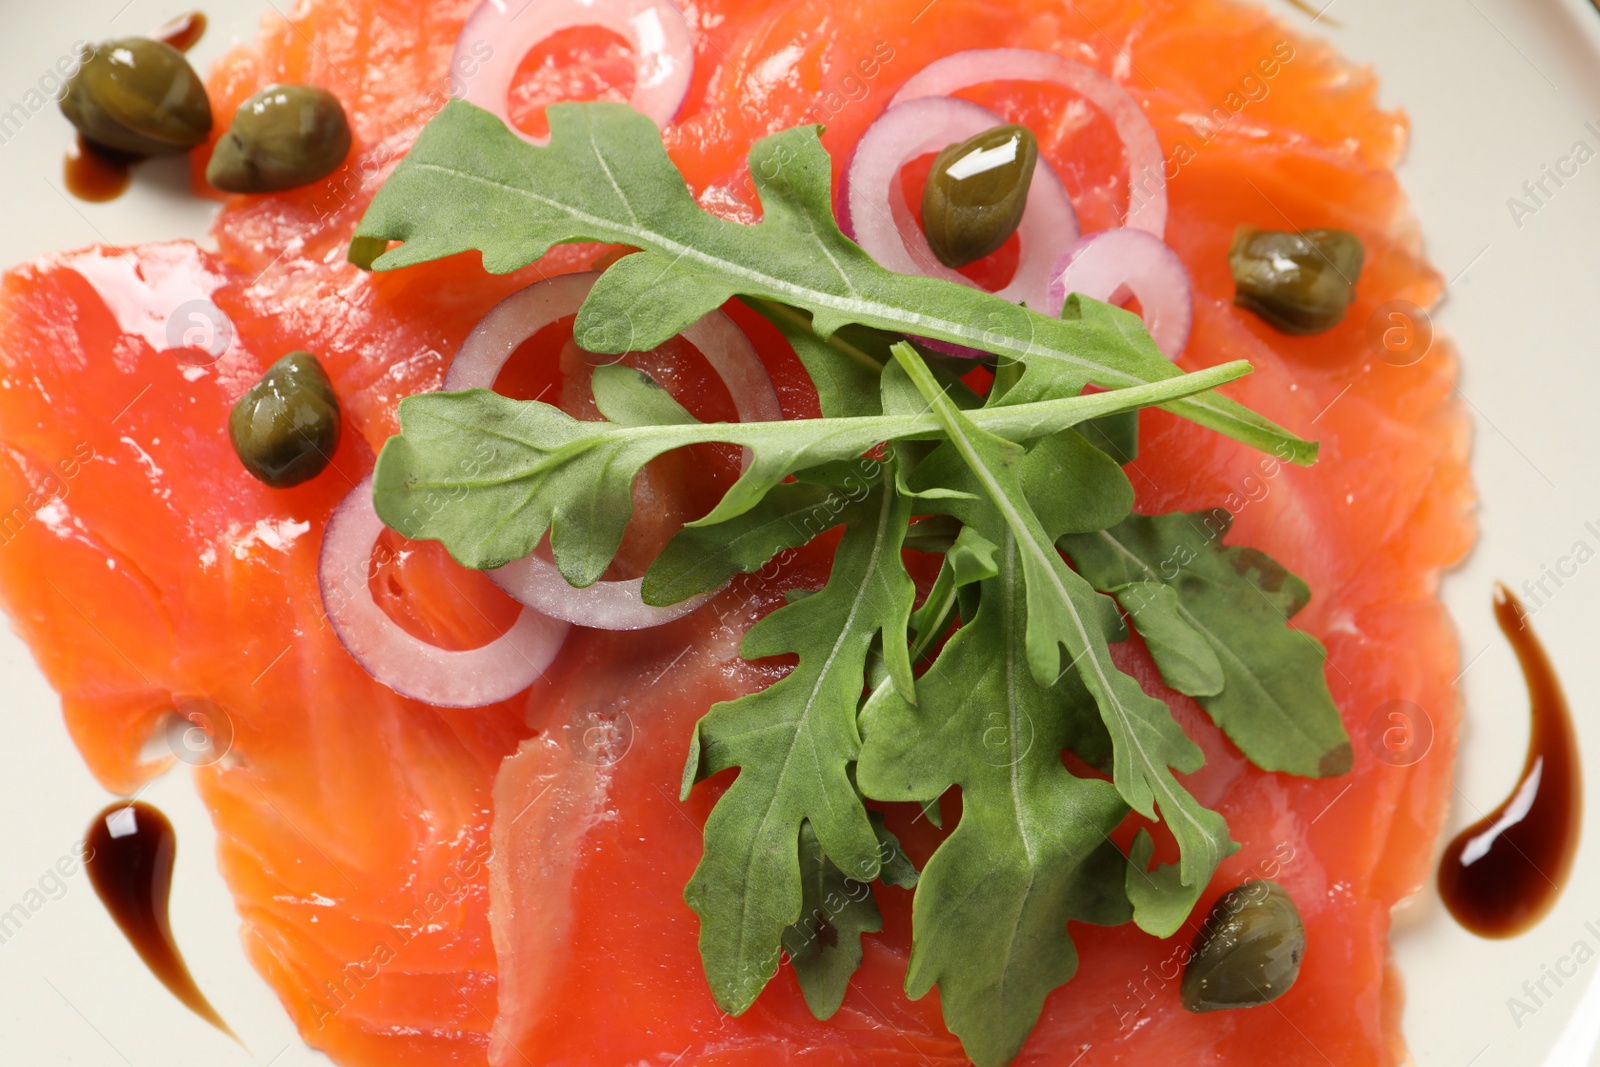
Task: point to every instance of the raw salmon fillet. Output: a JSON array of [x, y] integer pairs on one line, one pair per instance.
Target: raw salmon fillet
[[428, 886]]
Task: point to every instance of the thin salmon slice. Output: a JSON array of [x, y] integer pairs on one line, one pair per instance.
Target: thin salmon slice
[[426, 886]]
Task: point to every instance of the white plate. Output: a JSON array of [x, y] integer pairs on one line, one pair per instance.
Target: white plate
[[1495, 89]]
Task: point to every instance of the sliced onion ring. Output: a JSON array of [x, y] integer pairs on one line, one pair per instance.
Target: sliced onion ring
[[507, 30], [875, 213], [1112, 264], [1147, 175], [534, 580], [489, 346], [410, 666]]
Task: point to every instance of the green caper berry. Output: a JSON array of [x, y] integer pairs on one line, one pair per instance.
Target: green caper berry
[[1300, 283], [138, 95], [283, 137], [286, 426], [976, 193], [1248, 950]]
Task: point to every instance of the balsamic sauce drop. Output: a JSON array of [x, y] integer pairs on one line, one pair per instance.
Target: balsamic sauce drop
[[184, 31], [1504, 872], [129, 855], [95, 173]]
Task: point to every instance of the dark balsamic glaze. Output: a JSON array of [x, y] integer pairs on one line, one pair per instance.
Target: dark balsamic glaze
[[130, 848], [1502, 874], [183, 32], [95, 173]]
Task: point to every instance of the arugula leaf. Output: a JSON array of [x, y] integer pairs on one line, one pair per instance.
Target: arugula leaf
[[1187, 662], [700, 558], [488, 476], [1073, 486], [1030, 852], [794, 742], [835, 910], [1115, 435], [1158, 896], [1064, 611], [969, 560], [844, 368], [1274, 702], [469, 183], [629, 397], [933, 533], [972, 559]]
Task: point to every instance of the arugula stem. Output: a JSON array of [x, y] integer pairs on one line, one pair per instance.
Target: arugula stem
[[832, 437], [774, 309], [942, 598]]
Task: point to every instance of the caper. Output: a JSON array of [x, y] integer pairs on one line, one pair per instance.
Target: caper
[[1247, 952], [282, 137], [1301, 283], [138, 95], [976, 193], [286, 426]]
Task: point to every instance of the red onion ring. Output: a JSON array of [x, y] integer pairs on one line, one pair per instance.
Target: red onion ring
[[663, 49], [484, 353], [1147, 176], [534, 580], [1111, 264], [876, 216], [410, 666]]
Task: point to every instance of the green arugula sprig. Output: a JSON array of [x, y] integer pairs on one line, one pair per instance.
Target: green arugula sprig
[[1045, 567], [516, 470], [795, 743], [470, 184], [1064, 612]]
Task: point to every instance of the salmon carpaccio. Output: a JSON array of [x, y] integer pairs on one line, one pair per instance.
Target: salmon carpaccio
[[428, 886]]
